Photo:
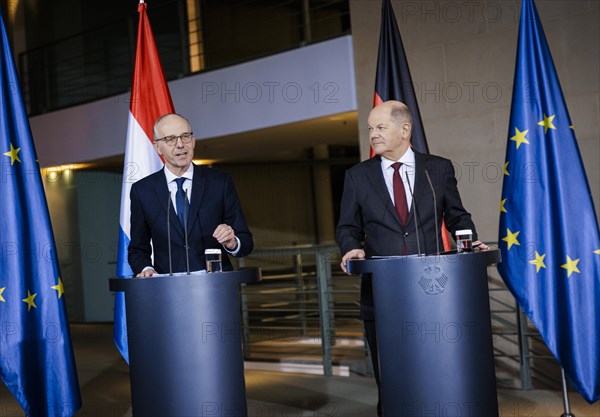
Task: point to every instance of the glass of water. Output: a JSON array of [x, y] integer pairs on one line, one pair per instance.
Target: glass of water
[[464, 240], [213, 260]]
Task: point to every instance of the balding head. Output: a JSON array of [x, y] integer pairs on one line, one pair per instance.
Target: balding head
[[174, 141], [398, 111], [165, 119]]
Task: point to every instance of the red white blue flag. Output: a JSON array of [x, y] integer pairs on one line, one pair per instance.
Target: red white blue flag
[[150, 99]]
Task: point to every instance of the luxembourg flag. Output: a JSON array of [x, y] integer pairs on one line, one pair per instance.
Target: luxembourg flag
[[150, 98]]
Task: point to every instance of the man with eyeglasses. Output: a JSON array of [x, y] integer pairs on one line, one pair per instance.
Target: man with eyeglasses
[[203, 204]]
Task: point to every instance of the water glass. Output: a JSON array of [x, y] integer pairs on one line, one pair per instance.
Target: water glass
[[464, 240], [213, 260]]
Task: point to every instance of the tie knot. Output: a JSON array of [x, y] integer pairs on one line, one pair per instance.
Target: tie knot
[[396, 165], [180, 182]]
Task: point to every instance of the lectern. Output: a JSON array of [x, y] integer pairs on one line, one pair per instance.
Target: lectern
[[434, 336], [185, 348]]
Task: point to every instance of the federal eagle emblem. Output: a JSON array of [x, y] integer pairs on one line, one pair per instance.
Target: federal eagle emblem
[[433, 281]]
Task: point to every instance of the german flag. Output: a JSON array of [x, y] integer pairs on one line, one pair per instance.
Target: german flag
[[393, 82]]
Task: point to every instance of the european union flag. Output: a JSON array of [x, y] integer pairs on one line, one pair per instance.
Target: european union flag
[[548, 228], [36, 358]]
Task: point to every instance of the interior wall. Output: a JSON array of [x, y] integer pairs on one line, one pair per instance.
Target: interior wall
[[277, 201], [462, 59], [61, 194], [98, 201], [84, 210], [276, 90]]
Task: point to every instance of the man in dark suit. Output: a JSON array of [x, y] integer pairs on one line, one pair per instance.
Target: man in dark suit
[[380, 198], [202, 202]]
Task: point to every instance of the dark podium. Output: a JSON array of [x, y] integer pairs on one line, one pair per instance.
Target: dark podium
[[185, 349], [434, 335]]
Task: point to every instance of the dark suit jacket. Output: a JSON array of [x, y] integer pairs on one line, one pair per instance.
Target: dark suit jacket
[[213, 201], [368, 214]]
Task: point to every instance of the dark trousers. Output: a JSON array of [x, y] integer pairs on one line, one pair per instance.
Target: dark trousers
[[371, 336]]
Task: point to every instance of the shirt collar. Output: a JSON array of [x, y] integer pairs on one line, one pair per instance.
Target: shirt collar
[[408, 158], [189, 174]]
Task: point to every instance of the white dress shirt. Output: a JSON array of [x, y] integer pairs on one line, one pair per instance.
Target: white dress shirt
[[187, 184], [407, 171]]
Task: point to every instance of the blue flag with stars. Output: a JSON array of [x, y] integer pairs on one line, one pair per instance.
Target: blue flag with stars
[[36, 357], [548, 228]]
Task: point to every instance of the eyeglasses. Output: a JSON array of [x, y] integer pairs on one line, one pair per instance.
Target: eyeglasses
[[172, 140]]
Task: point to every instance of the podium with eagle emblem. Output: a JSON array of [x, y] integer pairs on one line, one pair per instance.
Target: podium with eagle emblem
[[434, 333]]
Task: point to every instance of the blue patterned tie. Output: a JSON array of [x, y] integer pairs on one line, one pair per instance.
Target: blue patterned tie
[[181, 200]]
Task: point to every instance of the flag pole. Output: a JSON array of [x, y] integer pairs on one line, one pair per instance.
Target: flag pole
[[566, 403]]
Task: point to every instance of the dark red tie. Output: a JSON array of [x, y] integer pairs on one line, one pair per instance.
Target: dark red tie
[[400, 195]]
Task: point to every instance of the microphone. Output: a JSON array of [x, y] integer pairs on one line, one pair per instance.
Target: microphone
[[185, 221], [414, 213], [437, 232], [169, 233]]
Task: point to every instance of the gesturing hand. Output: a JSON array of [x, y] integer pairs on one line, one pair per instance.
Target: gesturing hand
[[225, 236]]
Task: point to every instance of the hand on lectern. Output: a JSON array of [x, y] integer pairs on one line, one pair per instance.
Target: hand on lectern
[[353, 254], [146, 273], [478, 245]]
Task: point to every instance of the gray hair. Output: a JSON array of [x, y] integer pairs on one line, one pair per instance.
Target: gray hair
[[401, 114]]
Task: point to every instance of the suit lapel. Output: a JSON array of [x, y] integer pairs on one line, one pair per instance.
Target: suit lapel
[[375, 176], [198, 190], [161, 190], [420, 182]]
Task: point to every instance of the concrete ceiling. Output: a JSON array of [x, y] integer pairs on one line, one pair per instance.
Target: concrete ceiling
[[289, 142], [286, 142]]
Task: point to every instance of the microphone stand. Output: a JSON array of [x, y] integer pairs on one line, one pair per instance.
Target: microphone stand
[[412, 196], [437, 232], [185, 221], [169, 234]]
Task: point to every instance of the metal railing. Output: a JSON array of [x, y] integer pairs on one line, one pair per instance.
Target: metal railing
[[303, 311], [306, 312], [190, 38], [520, 353]]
